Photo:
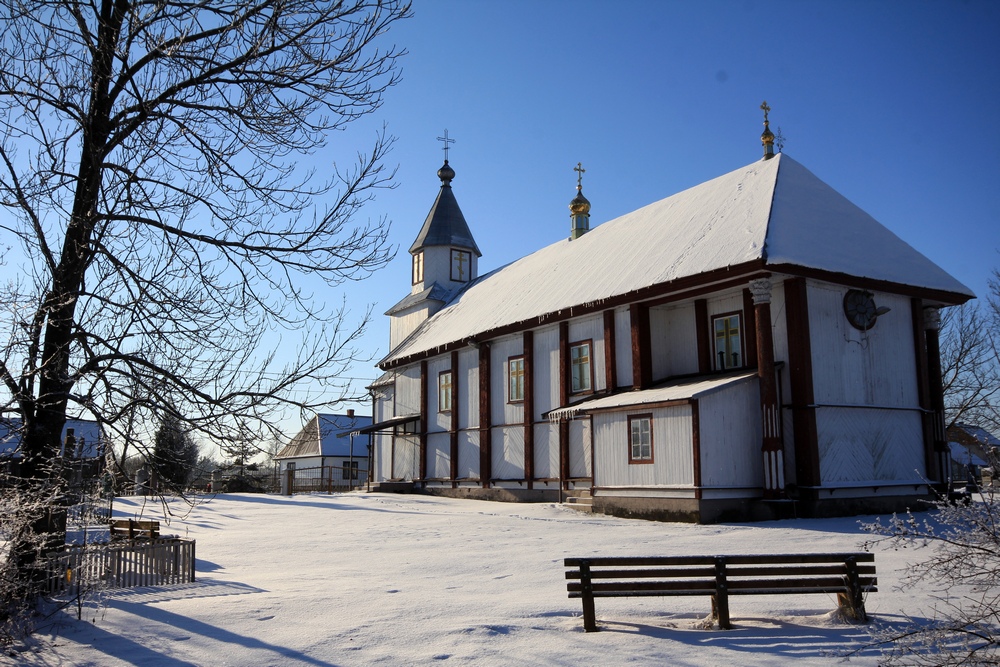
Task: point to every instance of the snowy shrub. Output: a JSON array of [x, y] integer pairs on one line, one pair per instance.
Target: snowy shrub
[[960, 571]]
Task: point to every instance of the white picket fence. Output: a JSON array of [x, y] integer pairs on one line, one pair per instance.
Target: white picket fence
[[124, 564]]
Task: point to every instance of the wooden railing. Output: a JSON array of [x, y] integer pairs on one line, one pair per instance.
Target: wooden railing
[[122, 565]]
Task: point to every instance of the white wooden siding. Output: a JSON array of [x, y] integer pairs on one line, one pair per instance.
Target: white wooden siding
[[865, 445], [405, 457], [437, 421], [401, 326], [439, 455], [546, 370], [730, 436], [408, 391], [579, 448], [508, 452], [623, 346], [501, 350], [546, 450], [468, 455], [468, 388], [673, 447], [725, 303], [382, 442], [673, 340], [852, 367]]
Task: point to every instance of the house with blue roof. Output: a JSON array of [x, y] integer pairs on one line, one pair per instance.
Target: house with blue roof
[[326, 454]]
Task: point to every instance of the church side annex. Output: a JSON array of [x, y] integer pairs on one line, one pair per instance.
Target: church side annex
[[768, 350]]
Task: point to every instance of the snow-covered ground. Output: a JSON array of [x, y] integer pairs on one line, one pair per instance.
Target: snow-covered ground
[[373, 579]]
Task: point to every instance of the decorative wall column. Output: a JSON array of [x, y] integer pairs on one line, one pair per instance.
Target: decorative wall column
[[485, 418], [564, 366], [642, 364], [528, 354], [453, 436], [774, 457], [932, 332], [424, 421]]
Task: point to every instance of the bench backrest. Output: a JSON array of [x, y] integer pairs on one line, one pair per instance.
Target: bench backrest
[[741, 572], [134, 528]]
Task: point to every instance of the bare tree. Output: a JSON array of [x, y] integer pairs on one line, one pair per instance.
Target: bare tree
[[960, 569], [970, 362], [149, 168]]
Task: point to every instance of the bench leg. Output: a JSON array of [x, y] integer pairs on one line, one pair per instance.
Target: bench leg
[[720, 610], [852, 608], [720, 601], [587, 595], [589, 620], [852, 603]]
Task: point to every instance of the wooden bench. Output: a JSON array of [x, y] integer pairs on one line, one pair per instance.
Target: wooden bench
[[849, 575], [131, 529]]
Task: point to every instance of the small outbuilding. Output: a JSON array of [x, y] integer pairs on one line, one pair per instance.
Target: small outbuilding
[[325, 454]]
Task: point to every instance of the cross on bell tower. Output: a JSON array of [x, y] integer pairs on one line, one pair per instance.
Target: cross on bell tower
[[445, 140]]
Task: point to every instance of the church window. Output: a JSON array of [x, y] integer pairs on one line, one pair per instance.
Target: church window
[[515, 379], [444, 391], [461, 266], [581, 370], [640, 439], [418, 267], [728, 341], [350, 470]]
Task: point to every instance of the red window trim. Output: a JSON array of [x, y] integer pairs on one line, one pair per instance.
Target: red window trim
[[450, 391], [652, 447], [518, 401], [589, 342]]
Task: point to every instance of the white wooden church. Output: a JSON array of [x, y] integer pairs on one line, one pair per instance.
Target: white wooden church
[[768, 350]]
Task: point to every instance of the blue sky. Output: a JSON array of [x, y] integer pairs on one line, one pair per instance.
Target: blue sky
[[893, 104]]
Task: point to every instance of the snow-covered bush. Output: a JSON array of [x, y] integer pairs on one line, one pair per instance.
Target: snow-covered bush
[[960, 569]]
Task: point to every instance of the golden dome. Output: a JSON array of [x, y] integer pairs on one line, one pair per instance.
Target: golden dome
[[579, 205]]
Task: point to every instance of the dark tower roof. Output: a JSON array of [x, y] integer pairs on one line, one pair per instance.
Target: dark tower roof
[[445, 225]]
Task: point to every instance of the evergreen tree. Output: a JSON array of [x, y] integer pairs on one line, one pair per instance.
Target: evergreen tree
[[174, 454]]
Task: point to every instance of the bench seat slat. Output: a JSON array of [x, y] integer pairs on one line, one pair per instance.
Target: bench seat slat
[[731, 559], [673, 585], [644, 574], [708, 587]]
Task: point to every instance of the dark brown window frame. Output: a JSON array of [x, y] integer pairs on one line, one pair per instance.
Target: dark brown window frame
[[417, 268], [715, 341], [510, 360], [652, 447], [589, 342], [451, 263], [451, 379]]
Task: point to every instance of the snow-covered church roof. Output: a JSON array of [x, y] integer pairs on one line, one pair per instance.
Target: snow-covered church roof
[[770, 215]]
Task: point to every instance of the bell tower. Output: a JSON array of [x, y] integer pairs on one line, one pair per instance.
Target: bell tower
[[444, 258]]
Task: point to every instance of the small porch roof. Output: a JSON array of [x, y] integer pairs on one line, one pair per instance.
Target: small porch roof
[[388, 423], [674, 390]]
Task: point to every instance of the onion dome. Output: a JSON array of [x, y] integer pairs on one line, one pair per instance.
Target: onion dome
[[767, 138], [446, 174], [580, 205]]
